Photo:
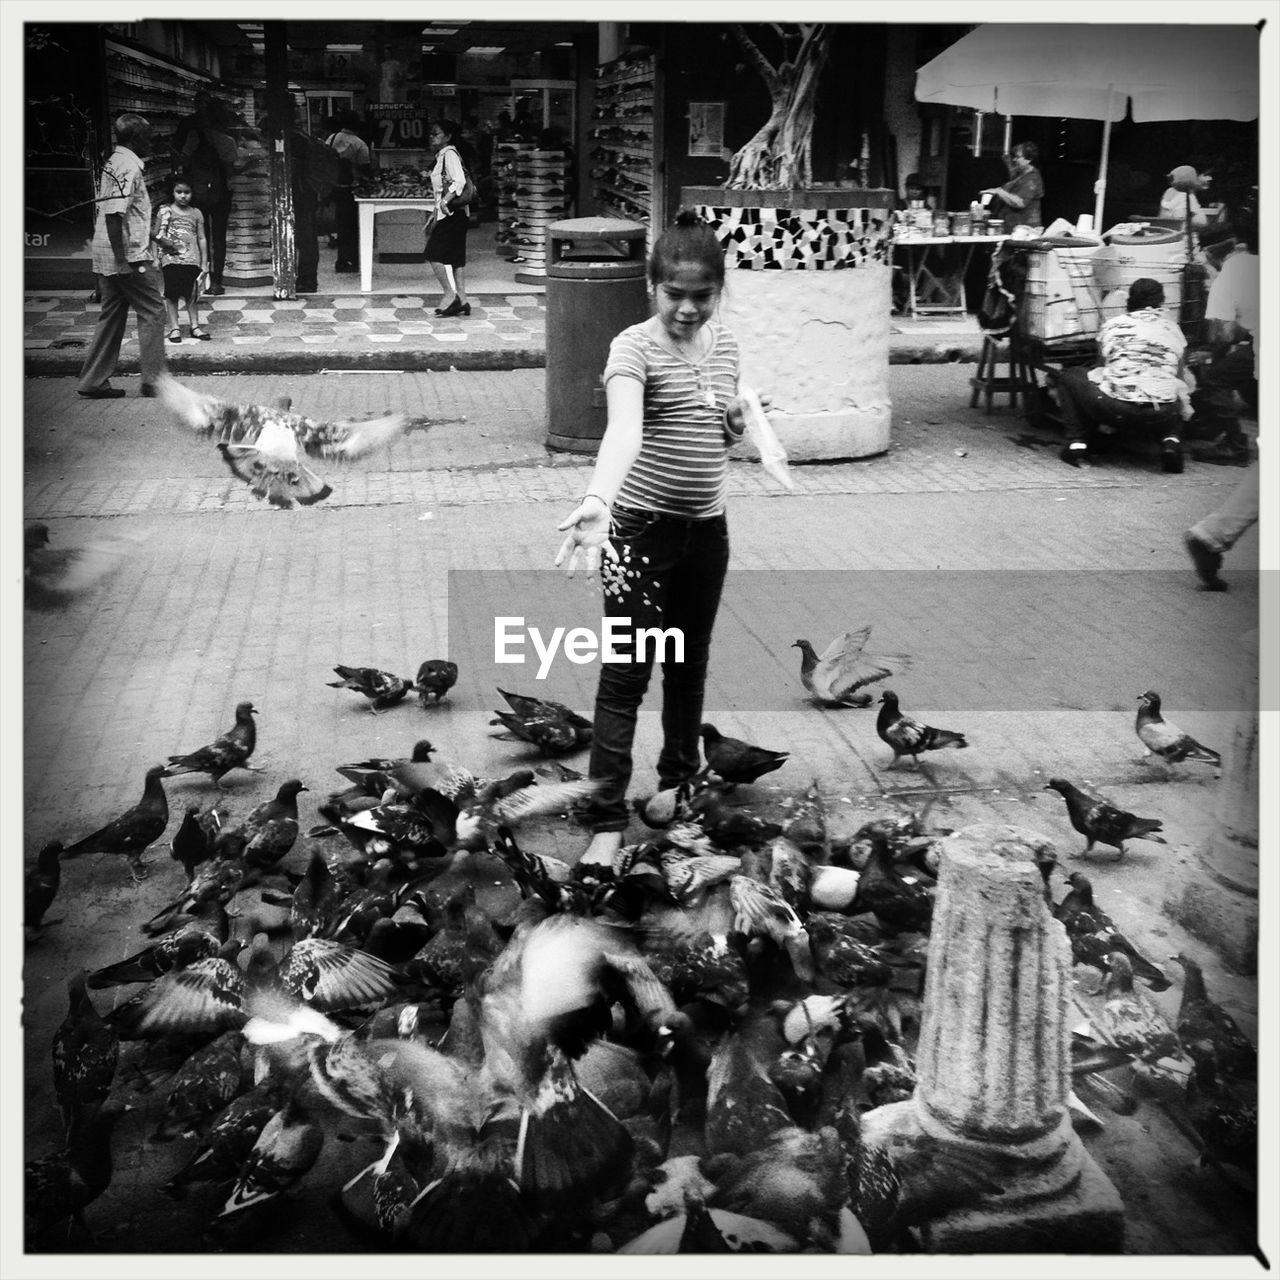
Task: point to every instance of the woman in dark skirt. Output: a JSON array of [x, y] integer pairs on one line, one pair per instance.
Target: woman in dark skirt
[[447, 241]]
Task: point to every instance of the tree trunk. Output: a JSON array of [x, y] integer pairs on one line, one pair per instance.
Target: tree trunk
[[779, 156]]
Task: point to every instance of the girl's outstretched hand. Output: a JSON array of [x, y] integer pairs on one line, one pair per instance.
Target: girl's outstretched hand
[[736, 411], [588, 536]]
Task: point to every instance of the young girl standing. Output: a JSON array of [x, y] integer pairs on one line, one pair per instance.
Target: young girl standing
[[184, 258], [655, 510]]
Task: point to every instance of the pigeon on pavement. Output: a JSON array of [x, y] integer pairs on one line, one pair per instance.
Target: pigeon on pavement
[[229, 751], [1094, 936], [85, 1052], [65, 1183], [263, 446], [835, 677], [909, 737], [736, 761], [54, 577], [382, 688], [193, 842], [549, 726], [268, 833], [1207, 1031], [133, 830], [436, 677], [1099, 821], [1163, 738], [40, 887]]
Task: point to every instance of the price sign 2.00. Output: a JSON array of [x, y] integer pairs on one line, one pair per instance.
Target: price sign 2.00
[[398, 125]]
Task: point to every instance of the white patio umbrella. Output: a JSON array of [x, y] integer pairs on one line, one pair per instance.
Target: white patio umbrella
[[1095, 71]]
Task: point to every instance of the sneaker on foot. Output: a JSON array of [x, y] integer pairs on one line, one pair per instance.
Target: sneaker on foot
[[1207, 562], [1171, 455], [1075, 454]]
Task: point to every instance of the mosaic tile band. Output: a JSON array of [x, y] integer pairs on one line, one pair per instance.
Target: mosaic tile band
[[819, 239]]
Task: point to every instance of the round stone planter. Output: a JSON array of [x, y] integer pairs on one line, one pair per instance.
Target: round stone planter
[[808, 297]]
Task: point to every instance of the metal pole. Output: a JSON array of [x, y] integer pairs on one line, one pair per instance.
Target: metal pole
[[1100, 187], [284, 250]]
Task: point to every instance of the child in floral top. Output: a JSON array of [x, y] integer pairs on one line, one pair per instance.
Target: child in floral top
[[184, 258]]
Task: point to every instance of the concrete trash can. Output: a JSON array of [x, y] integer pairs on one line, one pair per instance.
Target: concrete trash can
[[595, 289]]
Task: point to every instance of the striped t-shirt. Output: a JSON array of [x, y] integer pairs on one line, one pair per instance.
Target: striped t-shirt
[[683, 466]]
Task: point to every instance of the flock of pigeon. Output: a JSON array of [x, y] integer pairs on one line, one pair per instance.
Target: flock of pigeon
[[671, 1052]]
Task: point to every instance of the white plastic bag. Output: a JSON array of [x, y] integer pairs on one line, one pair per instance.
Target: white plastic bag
[[773, 457]]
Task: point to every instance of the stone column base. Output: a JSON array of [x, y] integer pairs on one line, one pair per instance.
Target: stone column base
[[1056, 1199], [1219, 916]]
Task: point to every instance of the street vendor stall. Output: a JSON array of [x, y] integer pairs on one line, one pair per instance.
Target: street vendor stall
[[935, 287]]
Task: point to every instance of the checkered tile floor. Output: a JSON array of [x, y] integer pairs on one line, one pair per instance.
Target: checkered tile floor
[[66, 321]]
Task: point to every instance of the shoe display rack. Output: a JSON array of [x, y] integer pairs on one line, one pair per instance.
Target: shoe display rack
[[624, 140], [541, 197], [155, 87], [505, 156], [249, 225], [164, 91]]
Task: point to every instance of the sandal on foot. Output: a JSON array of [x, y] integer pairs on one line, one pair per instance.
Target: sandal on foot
[[175, 335], [199, 332]]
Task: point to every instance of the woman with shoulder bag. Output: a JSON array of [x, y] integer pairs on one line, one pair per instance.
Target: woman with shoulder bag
[[447, 238]]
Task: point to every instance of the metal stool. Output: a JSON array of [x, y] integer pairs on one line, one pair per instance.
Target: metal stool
[[1019, 379]]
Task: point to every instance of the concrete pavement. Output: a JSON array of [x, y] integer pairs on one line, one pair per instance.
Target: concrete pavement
[[1034, 601]]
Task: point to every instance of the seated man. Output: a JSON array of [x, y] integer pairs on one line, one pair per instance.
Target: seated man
[[1232, 314], [1138, 386]]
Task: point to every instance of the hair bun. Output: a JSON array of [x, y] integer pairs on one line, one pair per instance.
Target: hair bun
[[688, 218]]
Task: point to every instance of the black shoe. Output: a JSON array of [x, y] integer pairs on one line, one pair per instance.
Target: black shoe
[[215, 291], [309, 287], [1075, 454], [1171, 455], [148, 390], [1225, 453], [453, 309], [1206, 560], [102, 393], [345, 269]]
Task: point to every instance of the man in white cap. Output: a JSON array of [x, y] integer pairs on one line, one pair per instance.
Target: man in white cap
[[1180, 197]]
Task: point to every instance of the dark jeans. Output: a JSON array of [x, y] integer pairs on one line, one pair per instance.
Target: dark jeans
[[672, 573], [217, 218], [1085, 408], [347, 218], [1214, 399]]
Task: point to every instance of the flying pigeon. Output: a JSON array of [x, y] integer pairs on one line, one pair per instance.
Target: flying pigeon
[[1163, 738], [134, 829], [1099, 821], [436, 677], [909, 737], [230, 750], [54, 577], [835, 677], [263, 446], [382, 688], [736, 761]]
